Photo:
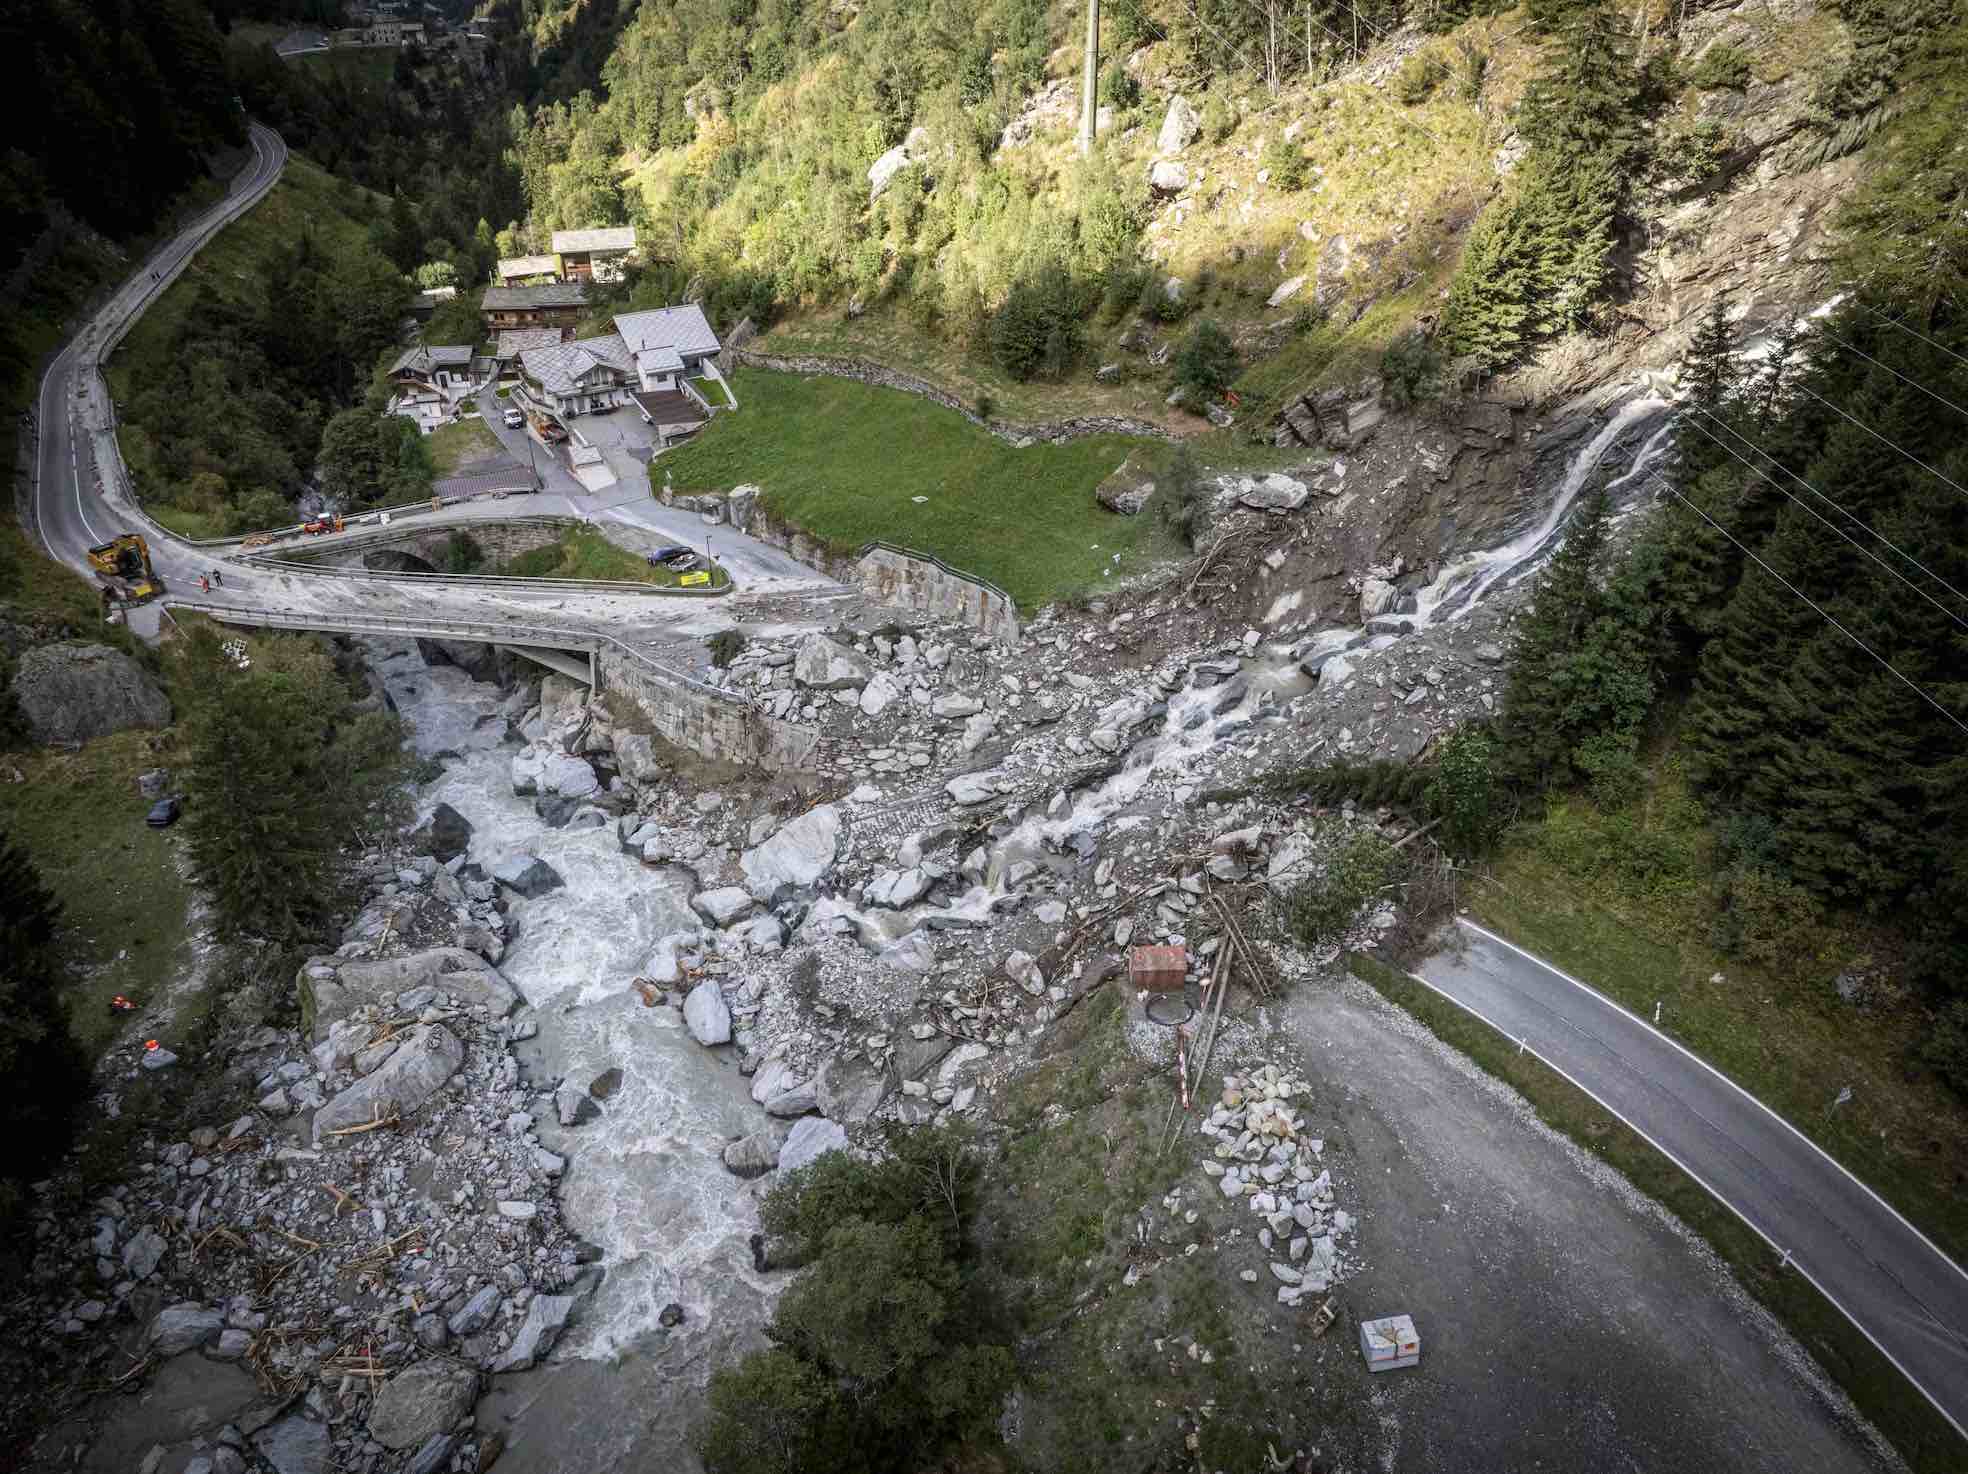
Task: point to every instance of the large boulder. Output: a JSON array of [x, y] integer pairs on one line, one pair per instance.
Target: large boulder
[[294, 1445], [1180, 125], [1126, 490], [811, 1138], [1377, 596], [73, 691], [798, 855], [850, 1090], [707, 1015], [1273, 493], [546, 1318], [420, 1402], [331, 990], [635, 757], [428, 1056], [183, 1326], [529, 875], [1166, 176], [445, 835], [827, 665], [568, 776], [754, 1155]]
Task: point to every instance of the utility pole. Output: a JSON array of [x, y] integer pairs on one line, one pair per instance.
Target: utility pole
[[1090, 81]]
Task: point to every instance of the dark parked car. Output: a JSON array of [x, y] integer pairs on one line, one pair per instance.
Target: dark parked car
[[164, 813], [665, 555]]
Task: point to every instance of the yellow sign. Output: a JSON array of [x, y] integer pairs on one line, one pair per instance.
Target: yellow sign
[[693, 578]]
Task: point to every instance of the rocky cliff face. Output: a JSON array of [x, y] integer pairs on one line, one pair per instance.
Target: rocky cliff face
[[72, 691]]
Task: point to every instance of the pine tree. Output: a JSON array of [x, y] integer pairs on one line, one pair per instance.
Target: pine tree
[[1536, 733], [42, 1071], [1699, 566]]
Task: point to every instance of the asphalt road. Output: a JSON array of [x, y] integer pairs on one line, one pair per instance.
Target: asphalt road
[[1898, 1288], [79, 501]]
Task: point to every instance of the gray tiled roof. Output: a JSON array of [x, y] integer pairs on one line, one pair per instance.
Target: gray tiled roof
[[424, 360], [552, 294], [527, 266], [558, 368], [515, 341], [682, 328], [601, 238]]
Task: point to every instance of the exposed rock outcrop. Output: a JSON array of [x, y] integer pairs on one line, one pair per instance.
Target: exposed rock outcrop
[[73, 691]]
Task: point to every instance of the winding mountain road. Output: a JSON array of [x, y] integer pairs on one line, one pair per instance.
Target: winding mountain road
[[1902, 1292]]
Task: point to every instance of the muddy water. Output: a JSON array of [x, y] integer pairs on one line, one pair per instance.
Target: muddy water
[[645, 1182]]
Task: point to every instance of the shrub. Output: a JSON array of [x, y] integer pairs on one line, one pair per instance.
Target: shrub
[[1418, 77], [1612, 769], [1286, 161], [1465, 791], [1219, 118], [725, 646], [1722, 67], [986, 406], [1118, 87], [1412, 370], [1945, 1048], [462, 554], [1206, 363], [1771, 923], [1182, 502], [1158, 305], [1323, 907], [1472, 70]]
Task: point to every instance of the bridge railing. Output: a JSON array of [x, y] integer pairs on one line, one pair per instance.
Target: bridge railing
[[553, 637]]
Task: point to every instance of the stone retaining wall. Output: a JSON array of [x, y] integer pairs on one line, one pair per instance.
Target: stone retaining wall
[[729, 729], [863, 371], [500, 542]]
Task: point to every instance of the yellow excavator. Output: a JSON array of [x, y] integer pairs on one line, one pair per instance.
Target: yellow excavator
[[124, 565]]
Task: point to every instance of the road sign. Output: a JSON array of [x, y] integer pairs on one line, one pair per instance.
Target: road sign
[[693, 578]]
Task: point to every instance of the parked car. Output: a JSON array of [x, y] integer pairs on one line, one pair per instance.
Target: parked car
[[513, 418], [164, 813]]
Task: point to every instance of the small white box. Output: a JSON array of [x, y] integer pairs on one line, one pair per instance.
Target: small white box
[[1390, 1342]]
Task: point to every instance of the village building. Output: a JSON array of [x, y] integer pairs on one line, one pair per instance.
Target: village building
[[648, 362], [594, 255], [554, 305], [526, 270], [429, 381]]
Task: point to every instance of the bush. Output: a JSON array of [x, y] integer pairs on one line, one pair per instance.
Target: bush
[[1118, 88], [1418, 77], [1771, 923], [1465, 792], [1286, 161], [1612, 770], [462, 554], [1182, 502], [725, 646], [1323, 907], [1412, 370], [1722, 68], [1219, 118], [1945, 1048], [1206, 363], [1472, 70], [1156, 303]]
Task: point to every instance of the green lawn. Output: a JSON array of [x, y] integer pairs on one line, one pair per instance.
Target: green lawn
[[123, 903], [1625, 902], [845, 462], [452, 446], [585, 553], [1881, 1394]]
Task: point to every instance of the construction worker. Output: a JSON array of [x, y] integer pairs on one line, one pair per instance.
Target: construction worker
[[204, 584], [120, 1004], [218, 578]]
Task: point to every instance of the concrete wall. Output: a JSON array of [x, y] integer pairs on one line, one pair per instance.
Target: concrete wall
[[864, 372], [917, 581], [726, 728]]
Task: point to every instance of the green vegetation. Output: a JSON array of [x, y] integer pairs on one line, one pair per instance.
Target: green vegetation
[[877, 1363], [1722, 68], [288, 781], [1206, 362], [230, 378], [1356, 870], [461, 444], [1929, 1445], [42, 1072], [843, 461], [581, 552], [371, 459]]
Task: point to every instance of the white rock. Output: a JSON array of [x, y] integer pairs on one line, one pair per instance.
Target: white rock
[[707, 1015]]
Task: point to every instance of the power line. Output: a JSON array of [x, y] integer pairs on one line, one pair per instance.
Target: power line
[[1815, 606], [1894, 322], [1397, 112], [1891, 571], [1883, 440], [1941, 398]]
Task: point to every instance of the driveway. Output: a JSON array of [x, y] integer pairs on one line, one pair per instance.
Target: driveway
[[1898, 1288]]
